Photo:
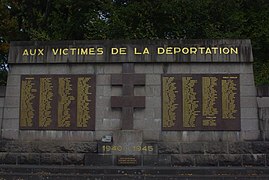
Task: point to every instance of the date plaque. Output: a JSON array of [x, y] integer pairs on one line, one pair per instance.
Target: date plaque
[[126, 160]]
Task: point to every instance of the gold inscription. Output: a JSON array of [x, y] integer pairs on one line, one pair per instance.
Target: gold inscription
[[190, 103], [209, 96], [169, 98], [64, 90], [108, 148], [45, 99], [197, 50], [209, 122], [97, 51], [204, 102], [27, 97], [33, 52], [127, 160], [77, 51], [83, 102], [228, 98]]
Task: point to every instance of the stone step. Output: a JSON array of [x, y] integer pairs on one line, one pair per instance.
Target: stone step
[[123, 172], [126, 177]]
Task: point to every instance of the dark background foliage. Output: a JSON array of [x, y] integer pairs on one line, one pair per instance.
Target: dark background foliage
[[133, 19]]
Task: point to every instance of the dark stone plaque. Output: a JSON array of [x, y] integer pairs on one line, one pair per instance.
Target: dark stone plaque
[[126, 160], [57, 102], [201, 102]]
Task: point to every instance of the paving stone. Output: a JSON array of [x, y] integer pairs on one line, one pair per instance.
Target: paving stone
[[2, 100], [249, 124], [169, 148], [223, 68], [116, 91], [182, 160], [240, 147], [13, 80], [10, 124], [246, 68], [10, 134], [143, 68], [158, 68], [139, 91], [260, 147], [12, 101], [39, 69], [103, 79], [254, 160], [12, 91], [73, 159], [248, 91], [216, 147], [230, 159], [29, 158], [170, 136], [57, 135], [250, 135], [150, 160], [11, 113], [199, 68], [249, 113], [109, 124], [51, 159], [164, 159], [8, 158], [78, 69], [153, 79], [151, 135], [112, 68], [98, 160], [206, 160], [152, 102], [178, 68], [247, 79], [59, 69], [263, 102], [18, 70], [248, 102], [100, 133], [193, 148]]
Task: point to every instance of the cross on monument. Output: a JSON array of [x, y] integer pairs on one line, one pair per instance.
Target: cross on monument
[[127, 102]]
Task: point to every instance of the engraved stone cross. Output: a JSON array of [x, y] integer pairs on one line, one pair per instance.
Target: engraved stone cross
[[127, 101]]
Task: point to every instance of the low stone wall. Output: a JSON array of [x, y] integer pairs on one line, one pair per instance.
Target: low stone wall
[[167, 154], [263, 108], [2, 101]]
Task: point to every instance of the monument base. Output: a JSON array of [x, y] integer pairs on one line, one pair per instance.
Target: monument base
[[198, 154]]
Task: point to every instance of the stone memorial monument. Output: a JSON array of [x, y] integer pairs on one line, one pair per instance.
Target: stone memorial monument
[[131, 103]]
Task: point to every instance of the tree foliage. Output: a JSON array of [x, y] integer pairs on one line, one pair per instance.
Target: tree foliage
[[133, 19]]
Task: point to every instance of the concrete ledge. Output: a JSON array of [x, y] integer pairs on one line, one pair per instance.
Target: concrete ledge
[[56, 135]]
